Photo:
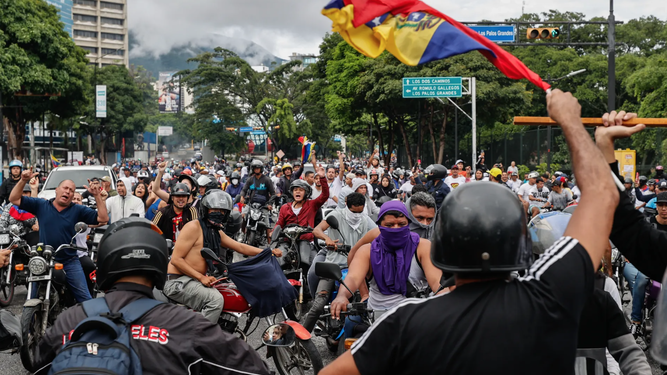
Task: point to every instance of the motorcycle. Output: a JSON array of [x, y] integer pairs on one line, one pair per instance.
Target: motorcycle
[[653, 289], [255, 225], [47, 279], [93, 241], [12, 275], [356, 308], [290, 356], [296, 260]]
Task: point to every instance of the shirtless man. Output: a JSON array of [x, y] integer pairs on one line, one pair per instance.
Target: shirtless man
[[187, 282]]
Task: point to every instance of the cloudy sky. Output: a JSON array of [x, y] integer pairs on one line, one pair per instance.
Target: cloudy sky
[[287, 26]]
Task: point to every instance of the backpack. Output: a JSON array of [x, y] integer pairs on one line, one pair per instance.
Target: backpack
[[101, 343]]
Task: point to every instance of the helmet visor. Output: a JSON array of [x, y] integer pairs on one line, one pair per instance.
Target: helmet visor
[[217, 200], [659, 336]]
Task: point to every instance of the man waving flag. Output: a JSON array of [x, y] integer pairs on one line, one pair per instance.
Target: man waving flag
[[415, 33]]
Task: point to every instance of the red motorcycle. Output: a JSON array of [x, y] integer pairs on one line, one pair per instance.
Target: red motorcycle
[[290, 356]]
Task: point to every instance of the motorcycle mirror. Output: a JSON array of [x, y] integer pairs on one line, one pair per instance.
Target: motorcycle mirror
[[279, 335], [574, 197], [276, 233], [80, 227], [208, 254], [332, 221], [328, 270]]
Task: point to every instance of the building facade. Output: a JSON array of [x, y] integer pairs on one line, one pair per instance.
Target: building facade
[[306, 59], [100, 27], [65, 12]]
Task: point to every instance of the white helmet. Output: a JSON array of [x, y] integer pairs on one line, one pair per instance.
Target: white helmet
[[533, 174], [142, 174]]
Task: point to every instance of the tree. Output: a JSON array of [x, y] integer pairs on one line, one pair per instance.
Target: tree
[[38, 58], [125, 107]]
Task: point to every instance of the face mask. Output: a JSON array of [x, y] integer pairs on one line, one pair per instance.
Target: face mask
[[235, 181], [395, 238], [217, 218], [353, 218]]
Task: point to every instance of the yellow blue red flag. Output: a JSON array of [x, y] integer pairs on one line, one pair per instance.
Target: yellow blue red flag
[[416, 34], [55, 161], [306, 149]]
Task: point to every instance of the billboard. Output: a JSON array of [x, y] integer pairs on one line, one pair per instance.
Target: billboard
[[65, 12], [169, 91]]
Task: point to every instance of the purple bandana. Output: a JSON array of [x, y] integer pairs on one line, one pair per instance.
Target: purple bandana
[[392, 252]]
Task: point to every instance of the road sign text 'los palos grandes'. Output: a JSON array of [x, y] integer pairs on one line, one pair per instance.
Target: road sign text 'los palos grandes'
[[432, 87]]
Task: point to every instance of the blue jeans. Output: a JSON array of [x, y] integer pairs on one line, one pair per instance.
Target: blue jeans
[[76, 280], [637, 282]]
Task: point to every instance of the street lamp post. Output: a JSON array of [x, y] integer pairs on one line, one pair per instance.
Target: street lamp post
[[90, 137], [550, 80]]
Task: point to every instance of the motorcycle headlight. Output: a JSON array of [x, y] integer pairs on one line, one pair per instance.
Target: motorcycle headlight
[[98, 237], [37, 266], [255, 215], [5, 239]]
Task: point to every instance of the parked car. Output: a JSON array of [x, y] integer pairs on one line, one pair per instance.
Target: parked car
[[79, 174]]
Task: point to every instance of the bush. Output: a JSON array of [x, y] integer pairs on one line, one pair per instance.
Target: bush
[[523, 170]]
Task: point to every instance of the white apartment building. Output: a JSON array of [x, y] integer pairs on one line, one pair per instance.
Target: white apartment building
[[100, 27]]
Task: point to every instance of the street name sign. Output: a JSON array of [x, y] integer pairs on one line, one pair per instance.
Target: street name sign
[[164, 131], [496, 33], [432, 87], [245, 129]]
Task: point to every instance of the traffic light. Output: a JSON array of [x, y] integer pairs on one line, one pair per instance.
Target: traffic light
[[543, 33]]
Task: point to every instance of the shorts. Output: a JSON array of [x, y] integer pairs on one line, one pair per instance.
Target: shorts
[[530, 208]]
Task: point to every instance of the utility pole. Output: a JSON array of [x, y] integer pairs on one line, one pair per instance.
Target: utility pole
[[611, 59]]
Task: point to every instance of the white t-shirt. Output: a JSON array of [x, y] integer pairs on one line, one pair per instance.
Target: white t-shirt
[[541, 195], [577, 192], [407, 187], [524, 191], [515, 185], [275, 180], [453, 183], [334, 191], [316, 193]]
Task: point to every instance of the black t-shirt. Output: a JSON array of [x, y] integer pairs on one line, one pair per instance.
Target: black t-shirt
[[657, 225], [525, 326]]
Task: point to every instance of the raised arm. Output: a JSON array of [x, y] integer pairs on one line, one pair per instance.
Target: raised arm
[[592, 220], [156, 184], [17, 191]]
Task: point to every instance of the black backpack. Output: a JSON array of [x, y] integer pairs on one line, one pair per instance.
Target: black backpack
[[101, 343]]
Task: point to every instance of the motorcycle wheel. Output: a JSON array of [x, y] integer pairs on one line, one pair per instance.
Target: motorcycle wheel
[[297, 359], [294, 310], [6, 289], [31, 325]]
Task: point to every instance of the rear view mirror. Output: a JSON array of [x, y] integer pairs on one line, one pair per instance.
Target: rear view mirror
[[332, 221], [328, 271], [80, 227], [279, 334]]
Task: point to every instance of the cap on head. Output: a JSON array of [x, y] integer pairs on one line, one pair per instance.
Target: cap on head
[[495, 172], [661, 197]]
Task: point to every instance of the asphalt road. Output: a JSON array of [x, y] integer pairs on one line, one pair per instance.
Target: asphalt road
[[11, 364]]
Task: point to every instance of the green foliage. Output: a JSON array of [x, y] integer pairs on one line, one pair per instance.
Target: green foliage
[[542, 167], [38, 57], [522, 170]]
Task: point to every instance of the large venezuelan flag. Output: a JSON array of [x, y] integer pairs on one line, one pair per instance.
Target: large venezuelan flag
[[416, 33]]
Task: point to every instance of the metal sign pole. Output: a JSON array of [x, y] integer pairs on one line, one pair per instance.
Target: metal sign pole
[[473, 88]]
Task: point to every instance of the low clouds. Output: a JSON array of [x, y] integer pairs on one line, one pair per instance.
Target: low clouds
[[286, 26]]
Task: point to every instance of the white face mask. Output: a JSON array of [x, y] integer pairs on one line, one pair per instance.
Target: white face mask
[[353, 218], [235, 181]]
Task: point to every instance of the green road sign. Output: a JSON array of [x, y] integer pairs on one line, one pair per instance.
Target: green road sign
[[432, 87]]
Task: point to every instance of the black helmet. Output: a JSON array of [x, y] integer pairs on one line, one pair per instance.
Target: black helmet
[[216, 199], [436, 172], [627, 180], [642, 180], [301, 184], [256, 164], [481, 228], [184, 176], [138, 249], [382, 200], [235, 175], [180, 189]]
